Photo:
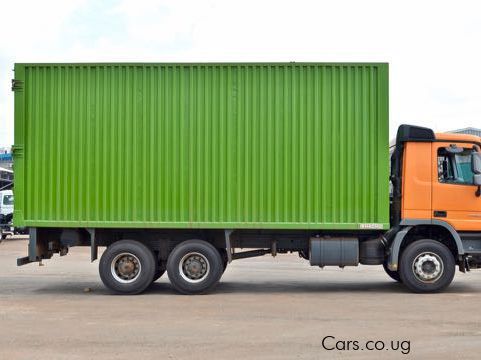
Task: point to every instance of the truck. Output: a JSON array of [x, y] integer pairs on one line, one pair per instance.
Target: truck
[[184, 167], [6, 213]]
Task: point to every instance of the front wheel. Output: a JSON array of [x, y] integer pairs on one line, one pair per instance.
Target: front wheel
[[427, 266], [194, 267], [127, 267]]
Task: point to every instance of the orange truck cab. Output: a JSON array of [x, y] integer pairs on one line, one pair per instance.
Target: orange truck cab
[[435, 200]]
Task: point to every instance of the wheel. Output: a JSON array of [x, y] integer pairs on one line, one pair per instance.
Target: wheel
[[427, 266], [392, 274], [127, 267], [194, 267], [4, 236]]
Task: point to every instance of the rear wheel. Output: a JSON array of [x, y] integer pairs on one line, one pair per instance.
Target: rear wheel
[[194, 267], [127, 267], [392, 274], [427, 266]]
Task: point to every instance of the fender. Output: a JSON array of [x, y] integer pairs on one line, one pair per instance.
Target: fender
[[393, 258]]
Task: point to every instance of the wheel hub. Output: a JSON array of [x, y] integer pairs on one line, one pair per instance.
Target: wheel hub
[[194, 267], [125, 268], [428, 267]]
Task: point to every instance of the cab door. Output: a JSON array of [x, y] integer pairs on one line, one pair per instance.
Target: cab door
[[454, 197]]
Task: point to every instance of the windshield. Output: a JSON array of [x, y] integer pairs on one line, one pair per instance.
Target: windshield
[[8, 200]]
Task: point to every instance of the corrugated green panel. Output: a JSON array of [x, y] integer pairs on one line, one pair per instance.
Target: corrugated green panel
[[202, 145]]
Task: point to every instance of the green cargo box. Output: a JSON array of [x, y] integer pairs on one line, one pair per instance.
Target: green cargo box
[[238, 145]]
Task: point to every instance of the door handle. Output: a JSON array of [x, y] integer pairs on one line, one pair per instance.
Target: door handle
[[440, 213]]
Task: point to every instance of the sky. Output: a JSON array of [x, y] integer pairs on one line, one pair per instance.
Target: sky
[[432, 47]]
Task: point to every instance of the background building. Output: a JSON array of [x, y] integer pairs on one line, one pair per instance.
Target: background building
[[6, 160], [6, 179], [468, 130], [6, 169]]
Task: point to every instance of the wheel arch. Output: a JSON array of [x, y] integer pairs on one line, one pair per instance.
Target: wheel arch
[[415, 229]]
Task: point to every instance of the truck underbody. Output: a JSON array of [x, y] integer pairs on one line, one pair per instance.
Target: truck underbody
[[320, 248]]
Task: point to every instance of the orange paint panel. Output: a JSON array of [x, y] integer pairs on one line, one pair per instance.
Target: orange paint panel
[[417, 181], [416, 214]]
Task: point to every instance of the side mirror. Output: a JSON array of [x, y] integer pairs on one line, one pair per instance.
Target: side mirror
[[477, 179], [476, 163], [476, 168]]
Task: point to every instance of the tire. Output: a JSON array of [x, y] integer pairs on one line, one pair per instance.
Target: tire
[[205, 268], [427, 266], [137, 262], [225, 261], [392, 274], [4, 236]]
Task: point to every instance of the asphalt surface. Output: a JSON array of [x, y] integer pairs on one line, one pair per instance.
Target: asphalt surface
[[264, 308]]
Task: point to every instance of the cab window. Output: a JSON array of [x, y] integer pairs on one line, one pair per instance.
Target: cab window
[[454, 167]]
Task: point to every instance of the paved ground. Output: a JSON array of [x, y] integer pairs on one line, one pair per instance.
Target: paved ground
[[264, 308]]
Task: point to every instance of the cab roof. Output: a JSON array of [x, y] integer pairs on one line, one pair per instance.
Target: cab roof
[[458, 137]]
